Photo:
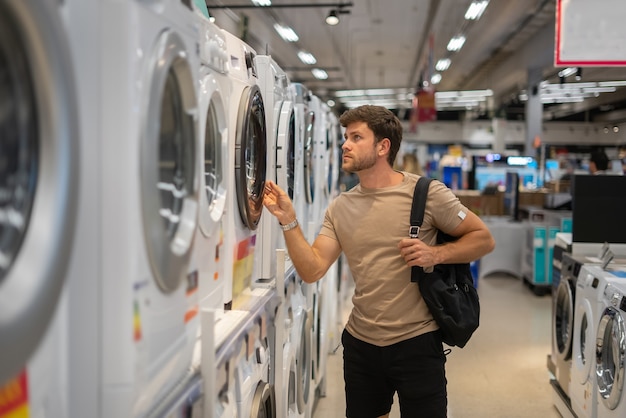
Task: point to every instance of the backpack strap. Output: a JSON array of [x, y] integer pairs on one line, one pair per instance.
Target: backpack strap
[[419, 205], [417, 216]]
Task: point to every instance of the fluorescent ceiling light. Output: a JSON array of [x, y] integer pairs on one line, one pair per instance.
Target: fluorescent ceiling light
[[285, 32], [436, 78], [319, 73], [443, 64], [262, 2], [306, 57], [456, 43], [476, 9]]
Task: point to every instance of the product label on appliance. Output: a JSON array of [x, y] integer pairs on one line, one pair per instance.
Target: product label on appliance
[[14, 397]]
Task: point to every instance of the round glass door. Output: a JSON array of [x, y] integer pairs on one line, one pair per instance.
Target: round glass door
[[250, 156], [309, 144], [168, 164], [286, 149], [39, 168], [263, 403], [213, 187], [19, 144], [610, 355], [303, 363], [563, 319]]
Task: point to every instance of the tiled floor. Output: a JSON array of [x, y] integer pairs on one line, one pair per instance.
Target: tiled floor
[[502, 371]]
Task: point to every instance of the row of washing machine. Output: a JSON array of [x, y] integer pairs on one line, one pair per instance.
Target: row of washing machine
[[589, 333], [139, 275]]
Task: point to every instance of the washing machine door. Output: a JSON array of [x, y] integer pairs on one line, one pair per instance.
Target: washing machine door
[[250, 156], [286, 149], [38, 174], [582, 343], [169, 169], [213, 152], [610, 354], [309, 153], [563, 319], [303, 363], [263, 402]]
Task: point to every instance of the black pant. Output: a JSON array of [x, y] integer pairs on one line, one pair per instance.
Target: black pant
[[414, 368]]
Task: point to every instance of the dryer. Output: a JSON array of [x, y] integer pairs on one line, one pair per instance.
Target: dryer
[[610, 347], [590, 287], [247, 151], [280, 122], [40, 171], [150, 199], [214, 94]]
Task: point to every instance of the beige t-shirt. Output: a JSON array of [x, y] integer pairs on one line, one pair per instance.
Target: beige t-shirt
[[369, 224]]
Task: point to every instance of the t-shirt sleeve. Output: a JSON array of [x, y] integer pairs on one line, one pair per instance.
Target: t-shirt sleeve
[[444, 207], [328, 226]]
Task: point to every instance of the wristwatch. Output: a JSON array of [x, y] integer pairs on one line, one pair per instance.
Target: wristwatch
[[291, 225]]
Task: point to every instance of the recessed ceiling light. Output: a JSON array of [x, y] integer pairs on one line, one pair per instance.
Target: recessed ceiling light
[[319, 73]]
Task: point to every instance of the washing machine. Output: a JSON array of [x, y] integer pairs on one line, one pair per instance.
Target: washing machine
[[213, 96], [563, 305], [610, 348], [150, 200], [305, 129], [40, 199], [280, 122], [294, 383], [39, 174], [590, 288], [253, 392], [247, 162]]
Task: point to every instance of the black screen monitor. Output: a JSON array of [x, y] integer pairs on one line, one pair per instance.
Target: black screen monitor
[[598, 208]]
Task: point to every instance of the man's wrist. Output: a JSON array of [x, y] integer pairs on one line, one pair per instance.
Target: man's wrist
[[291, 225]]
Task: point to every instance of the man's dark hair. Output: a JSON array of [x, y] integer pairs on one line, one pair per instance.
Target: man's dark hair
[[381, 121], [600, 159]]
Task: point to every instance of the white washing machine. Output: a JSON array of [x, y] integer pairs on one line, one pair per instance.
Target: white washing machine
[[214, 94], [253, 392], [294, 383], [305, 131], [39, 174], [280, 122], [225, 405], [563, 306], [610, 348], [590, 287], [247, 151], [320, 163], [150, 200]]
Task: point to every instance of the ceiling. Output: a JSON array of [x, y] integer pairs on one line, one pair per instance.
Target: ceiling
[[385, 44]]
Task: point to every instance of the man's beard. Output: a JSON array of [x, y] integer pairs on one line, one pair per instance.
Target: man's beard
[[353, 165]]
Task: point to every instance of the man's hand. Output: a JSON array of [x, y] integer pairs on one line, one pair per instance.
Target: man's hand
[[416, 253], [278, 203]]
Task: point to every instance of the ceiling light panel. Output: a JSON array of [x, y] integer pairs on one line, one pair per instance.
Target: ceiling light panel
[[307, 57], [476, 10], [285, 32], [262, 2], [456, 43], [319, 73], [443, 64]]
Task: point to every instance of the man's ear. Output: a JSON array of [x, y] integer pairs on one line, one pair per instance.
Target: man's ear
[[384, 146]]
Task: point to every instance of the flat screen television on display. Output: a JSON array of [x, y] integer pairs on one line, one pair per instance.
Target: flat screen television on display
[[598, 208]]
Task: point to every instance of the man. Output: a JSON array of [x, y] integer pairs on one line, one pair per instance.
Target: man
[[598, 163], [391, 342]]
